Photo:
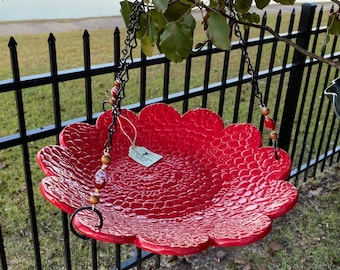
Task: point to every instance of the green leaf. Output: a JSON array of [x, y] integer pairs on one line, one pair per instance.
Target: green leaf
[[243, 6], [152, 29], [217, 4], [189, 21], [285, 2], [334, 24], [160, 5], [262, 3], [187, 3], [126, 9], [158, 17], [147, 47], [218, 31], [250, 17], [176, 41], [176, 10]]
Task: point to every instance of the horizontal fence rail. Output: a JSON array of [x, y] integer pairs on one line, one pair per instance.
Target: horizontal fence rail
[[292, 86]]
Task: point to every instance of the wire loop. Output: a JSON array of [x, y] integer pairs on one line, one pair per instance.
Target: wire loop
[[74, 231]]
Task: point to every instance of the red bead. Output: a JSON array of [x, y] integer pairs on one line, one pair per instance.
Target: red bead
[[114, 92], [269, 123]]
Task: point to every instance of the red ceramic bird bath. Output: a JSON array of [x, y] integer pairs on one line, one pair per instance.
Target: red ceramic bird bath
[[212, 185]]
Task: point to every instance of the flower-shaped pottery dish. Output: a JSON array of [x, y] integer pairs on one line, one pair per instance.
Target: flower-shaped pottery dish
[[214, 185]]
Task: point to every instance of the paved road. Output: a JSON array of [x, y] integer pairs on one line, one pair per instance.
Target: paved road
[[53, 26]]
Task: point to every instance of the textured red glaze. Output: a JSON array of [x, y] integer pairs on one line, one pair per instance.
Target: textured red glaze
[[214, 185]]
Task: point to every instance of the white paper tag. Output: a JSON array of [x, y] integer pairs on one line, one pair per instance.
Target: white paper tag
[[143, 156]]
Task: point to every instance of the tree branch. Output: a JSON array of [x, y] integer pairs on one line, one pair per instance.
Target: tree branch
[[289, 42], [279, 38], [336, 2]]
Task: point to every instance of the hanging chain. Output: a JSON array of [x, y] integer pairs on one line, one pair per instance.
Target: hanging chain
[[245, 55], [118, 90], [269, 123], [117, 94]]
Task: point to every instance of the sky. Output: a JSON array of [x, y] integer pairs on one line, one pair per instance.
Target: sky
[[14, 10]]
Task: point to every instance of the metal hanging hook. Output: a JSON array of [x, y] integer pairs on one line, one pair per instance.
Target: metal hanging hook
[[74, 231], [333, 92]]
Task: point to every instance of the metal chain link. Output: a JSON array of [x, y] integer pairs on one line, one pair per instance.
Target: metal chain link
[[123, 75], [255, 88], [245, 55]]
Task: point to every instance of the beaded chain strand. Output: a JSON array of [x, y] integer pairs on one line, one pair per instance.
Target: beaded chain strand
[[270, 124], [101, 177]]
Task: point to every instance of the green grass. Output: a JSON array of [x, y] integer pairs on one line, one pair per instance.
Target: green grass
[[305, 222]]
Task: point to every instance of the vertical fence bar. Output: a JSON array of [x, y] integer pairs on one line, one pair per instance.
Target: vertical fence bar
[[187, 83], [94, 254], [271, 65], [89, 117], [24, 147], [88, 78], [224, 82], [240, 76], [166, 81], [2, 252], [66, 235], [57, 122], [116, 47], [257, 68], [296, 75], [224, 78], [284, 64], [306, 91], [142, 85], [55, 84], [316, 127], [139, 258], [118, 257], [206, 76], [272, 59]]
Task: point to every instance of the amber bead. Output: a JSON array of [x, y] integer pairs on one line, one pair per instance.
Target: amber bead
[[94, 199], [112, 101], [105, 159], [117, 83], [273, 135], [265, 111]]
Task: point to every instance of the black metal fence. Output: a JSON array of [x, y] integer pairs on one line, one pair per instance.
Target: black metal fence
[[292, 86]]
